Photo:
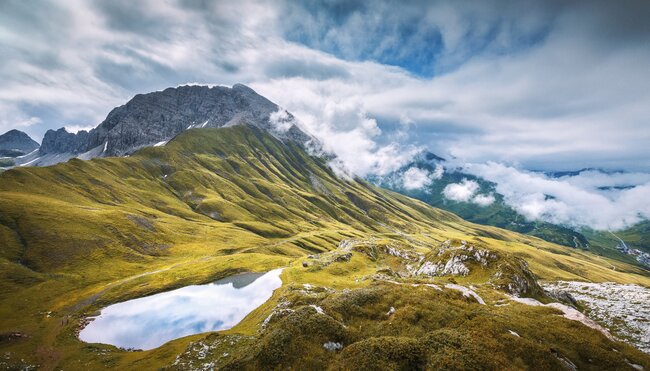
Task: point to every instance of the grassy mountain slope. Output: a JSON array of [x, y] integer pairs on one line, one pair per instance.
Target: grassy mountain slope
[[212, 202]]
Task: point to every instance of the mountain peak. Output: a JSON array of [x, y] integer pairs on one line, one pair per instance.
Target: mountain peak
[[158, 116], [426, 156], [16, 143], [62, 141], [244, 88]]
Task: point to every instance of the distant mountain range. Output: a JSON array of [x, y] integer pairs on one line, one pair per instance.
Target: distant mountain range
[[635, 248], [560, 174], [155, 118], [371, 279], [15, 143]]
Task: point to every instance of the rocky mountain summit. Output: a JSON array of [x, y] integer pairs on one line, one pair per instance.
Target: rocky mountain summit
[[154, 118], [16, 143], [60, 141]]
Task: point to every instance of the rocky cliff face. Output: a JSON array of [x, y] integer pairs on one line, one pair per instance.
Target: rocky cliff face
[[16, 142], [60, 141], [156, 117]]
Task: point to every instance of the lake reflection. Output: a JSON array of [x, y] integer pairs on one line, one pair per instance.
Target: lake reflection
[[146, 323]]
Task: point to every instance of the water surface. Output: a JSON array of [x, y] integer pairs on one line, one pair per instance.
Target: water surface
[[148, 322]]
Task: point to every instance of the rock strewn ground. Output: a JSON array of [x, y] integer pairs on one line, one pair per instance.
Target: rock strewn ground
[[625, 309]]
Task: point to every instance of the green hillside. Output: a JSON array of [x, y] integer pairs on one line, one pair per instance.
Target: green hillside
[[637, 236], [78, 236]]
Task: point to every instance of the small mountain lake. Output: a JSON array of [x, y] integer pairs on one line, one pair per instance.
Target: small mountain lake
[[148, 322]]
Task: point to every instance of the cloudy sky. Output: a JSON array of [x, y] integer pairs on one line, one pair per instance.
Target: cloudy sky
[[531, 84]]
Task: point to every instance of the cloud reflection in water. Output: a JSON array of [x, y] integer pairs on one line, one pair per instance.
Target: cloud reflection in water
[[148, 322]]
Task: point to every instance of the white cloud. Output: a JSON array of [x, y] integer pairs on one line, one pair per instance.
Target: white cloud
[[281, 120], [575, 201], [461, 192], [340, 170], [483, 200], [550, 110], [28, 121], [467, 191], [594, 179], [77, 128], [438, 172], [416, 178], [345, 128], [13, 118]]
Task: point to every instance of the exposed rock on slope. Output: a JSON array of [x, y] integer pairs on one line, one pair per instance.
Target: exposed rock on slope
[[61, 141], [623, 308], [460, 259], [153, 118]]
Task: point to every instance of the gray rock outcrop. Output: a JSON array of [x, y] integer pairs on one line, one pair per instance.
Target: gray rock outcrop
[[156, 117], [60, 141]]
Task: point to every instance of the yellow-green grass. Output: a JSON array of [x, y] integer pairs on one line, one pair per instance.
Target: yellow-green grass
[[77, 236]]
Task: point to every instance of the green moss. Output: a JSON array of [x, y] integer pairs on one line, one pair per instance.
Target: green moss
[[428, 329], [384, 353]]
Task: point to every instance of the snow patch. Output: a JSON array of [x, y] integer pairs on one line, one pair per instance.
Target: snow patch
[[27, 163], [30, 153]]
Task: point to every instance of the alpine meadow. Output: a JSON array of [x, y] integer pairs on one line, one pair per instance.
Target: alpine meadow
[[340, 185]]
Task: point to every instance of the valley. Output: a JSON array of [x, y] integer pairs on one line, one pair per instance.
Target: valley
[[381, 278], [499, 213], [201, 185]]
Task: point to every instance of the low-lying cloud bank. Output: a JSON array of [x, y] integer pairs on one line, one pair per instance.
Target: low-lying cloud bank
[[467, 191], [595, 199], [546, 85], [503, 81], [415, 178]]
